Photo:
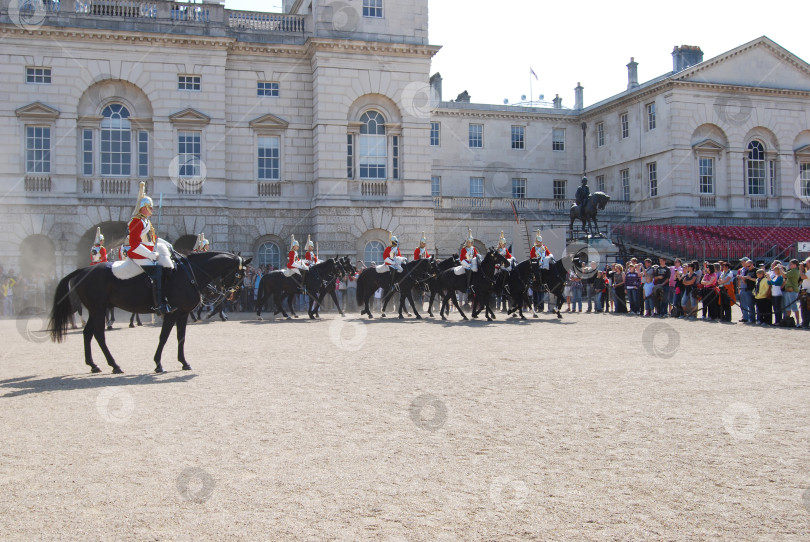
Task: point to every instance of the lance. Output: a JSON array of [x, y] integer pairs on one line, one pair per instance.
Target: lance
[[160, 215]]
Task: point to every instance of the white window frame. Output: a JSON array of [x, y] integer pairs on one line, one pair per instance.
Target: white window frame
[[189, 82], [38, 75], [600, 134], [373, 9], [559, 189], [518, 188], [274, 168], [600, 183], [558, 142], [652, 178], [476, 187], [624, 183], [706, 177], [265, 254], [651, 116], [519, 137], [43, 164], [475, 135], [435, 186], [624, 124], [373, 252], [187, 159], [435, 134], [760, 165], [270, 90]]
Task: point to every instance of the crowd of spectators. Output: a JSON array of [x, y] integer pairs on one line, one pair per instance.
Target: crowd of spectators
[[25, 293], [772, 293]]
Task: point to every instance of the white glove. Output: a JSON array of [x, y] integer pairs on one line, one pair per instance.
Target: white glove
[[154, 256]]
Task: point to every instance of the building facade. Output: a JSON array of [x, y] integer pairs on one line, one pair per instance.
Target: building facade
[[324, 120]]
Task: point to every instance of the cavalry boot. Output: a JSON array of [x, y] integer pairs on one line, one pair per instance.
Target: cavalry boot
[[304, 281], [469, 277], [394, 285], [161, 305]]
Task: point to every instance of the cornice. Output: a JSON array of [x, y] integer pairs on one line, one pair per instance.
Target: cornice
[[117, 36], [783, 55], [505, 115], [370, 47]]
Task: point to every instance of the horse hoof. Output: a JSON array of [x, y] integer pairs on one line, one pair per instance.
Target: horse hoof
[[95, 369], [131, 325], [408, 314], [109, 328], [117, 370], [401, 317], [261, 319], [522, 317], [382, 315], [295, 316], [536, 316], [159, 370], [186, 367], [489, 319], [288, 318]]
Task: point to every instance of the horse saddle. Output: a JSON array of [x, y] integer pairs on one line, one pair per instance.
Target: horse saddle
[[126, 269], [382, 268], [288, 272], [459, 270]]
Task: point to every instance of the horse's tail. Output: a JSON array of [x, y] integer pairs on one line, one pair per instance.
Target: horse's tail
[[359, 290], [62, 309]]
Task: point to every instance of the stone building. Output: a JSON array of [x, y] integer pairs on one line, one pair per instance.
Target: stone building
[[324, 120]]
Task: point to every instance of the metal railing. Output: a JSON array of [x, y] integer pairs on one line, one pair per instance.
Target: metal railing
[[265, 21]]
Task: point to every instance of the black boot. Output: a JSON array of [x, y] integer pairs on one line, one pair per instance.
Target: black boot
[[304, 281], [469, 277], [160, 306], [394, 285]]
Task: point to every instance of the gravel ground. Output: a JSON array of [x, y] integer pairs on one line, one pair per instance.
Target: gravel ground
[[595, 427]]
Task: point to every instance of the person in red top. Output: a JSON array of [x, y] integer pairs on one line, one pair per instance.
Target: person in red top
[[296, 266], [540, 251], [421, 251], [503, 251], [310, 257], [142, 241], [469, 257], [202, 244], [98, 254], [392, 260]]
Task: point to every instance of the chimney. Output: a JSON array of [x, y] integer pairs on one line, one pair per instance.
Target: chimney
[[685, 56], [632, 74], [464, 97], [436, 85], [557, 102], [578, 97]]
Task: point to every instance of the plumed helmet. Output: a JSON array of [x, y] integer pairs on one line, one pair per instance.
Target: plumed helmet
[[584, 180], [198, 243], [423, 239], [293, 242], [502, 240], [309, 244], [205, 242], [470, 238], [143, 199], [392, 239], [538, 238], [99, 238]]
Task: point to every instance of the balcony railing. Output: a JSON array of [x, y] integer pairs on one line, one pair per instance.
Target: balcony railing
[[37, 183], [109, 186], [275, 22], [452, 203], [374, 188], [708, 201], [759, 203], [269, 190]]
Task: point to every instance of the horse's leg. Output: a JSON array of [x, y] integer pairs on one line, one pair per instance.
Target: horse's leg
[[335, 299], [110, 317], [367, 310], [596, 225], [430, 303], [410, 298], [168, 324], [138, 319], [182, 321], [290, 299], [88, 337], [98, 332], [454, 298]]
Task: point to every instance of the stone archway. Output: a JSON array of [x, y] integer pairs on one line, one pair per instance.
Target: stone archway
[[185, 243], [115, 234]]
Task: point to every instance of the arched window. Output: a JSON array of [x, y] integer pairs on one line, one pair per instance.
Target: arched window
[[756, 169], [269, 254], [116, 141], [374, 253], [373, 149]]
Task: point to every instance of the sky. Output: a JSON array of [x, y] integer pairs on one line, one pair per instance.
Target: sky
[[488, 48]]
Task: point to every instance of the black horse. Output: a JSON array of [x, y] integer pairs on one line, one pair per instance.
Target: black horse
[[284, 288], [328, 276], [97, 288], [597, 201], [432, 283], [413, 274], [553, 280], [516, 284], [482, 283], [370, 281]]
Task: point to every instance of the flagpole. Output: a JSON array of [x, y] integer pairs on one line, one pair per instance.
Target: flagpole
[[531, 95]]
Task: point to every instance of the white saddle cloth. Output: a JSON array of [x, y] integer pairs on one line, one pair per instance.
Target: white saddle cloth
[[290, 272], [382, 268], [127, 268], [458, 270]]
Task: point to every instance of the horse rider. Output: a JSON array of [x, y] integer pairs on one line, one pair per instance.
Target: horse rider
[[503, 251], [310, 257], [421, 252], [98, 254], [583, 194], [142, 242], [202, 244], [540, 251], [469, 257], [296, 266], [393, 260]]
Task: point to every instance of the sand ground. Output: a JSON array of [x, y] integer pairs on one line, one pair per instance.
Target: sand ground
[[595, 427]]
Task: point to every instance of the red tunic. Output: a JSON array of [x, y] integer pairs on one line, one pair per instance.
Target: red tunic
[[534, 254], [468, 253], [310, 257], [140, 234], [292, 258], [506, 253], [417, 254], [389, 253], [102, 256]]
